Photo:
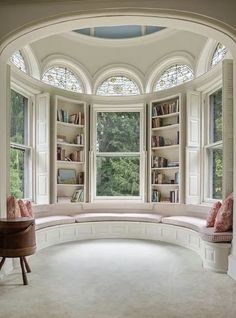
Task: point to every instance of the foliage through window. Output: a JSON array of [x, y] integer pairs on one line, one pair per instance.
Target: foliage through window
[[118, 154], [214, 146], [18, 60], [173, 76], [20, 151], [118, 86], [64, 78], [218, 54]]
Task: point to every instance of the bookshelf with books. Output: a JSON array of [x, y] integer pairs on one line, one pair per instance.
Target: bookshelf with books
[[68, 122], [166, 155]]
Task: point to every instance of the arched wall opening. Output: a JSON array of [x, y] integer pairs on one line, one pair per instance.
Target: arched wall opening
[[178, 20]]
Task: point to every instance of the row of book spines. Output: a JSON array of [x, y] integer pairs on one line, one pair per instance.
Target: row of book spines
[[174, 196], [165, 108], [160, 178], [159, 162], [158, 122], [77, 155], [65, 117], [159, 141], [79, 196], [80, 139]]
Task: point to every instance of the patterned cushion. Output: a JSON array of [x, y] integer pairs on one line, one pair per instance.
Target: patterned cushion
[[108, 216], [28, 205], [210, 222], [186, 221], [13, 209], [224, 218], [53, 220], [23, 209], [208, 234]]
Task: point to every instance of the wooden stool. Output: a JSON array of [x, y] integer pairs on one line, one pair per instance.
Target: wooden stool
[[17, 239]]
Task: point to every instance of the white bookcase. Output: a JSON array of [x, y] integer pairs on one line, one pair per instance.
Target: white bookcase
[[68, 146], [166, 151]]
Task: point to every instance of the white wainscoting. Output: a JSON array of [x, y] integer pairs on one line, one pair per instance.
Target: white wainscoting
[[214, 255]]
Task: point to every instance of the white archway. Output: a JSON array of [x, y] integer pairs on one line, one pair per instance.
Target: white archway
[[91, 16]]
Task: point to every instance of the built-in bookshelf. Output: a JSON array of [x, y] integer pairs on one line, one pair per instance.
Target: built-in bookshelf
[[166, 159], [69, 145]]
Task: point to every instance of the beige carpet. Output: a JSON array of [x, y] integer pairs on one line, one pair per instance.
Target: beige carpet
[[118, 279]]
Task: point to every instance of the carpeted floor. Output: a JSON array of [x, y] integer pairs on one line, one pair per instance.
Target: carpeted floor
[[117, 279]]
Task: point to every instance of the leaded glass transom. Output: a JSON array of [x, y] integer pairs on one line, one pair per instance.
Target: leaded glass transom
[[118, 86], [18, 60], [173, 76], [218, 54], [62, 77]]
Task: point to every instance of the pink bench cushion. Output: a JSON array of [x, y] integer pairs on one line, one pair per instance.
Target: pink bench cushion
[[185, 221], [135, 217], [53, 220], [208, 234]]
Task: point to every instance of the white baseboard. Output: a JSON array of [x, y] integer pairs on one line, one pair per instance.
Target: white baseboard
[[232, 267]]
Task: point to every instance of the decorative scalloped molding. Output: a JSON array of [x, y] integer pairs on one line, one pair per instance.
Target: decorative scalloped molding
[[79, 69], [119, 69], [156, 70]]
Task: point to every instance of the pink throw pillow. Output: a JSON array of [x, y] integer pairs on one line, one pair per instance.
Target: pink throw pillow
[[23, 209], [29, 208], [224, 218], [13, 209], [210, 222]]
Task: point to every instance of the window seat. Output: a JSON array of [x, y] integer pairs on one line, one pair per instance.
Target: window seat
[[186, 231]]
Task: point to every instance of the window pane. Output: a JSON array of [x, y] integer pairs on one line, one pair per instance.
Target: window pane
[[118, 86], [17, 177], [62, 77], [118, 132], [18, 118], [216, 122], [118, 176], [18, 60], [216, 169], [218, 54], [173, 76]]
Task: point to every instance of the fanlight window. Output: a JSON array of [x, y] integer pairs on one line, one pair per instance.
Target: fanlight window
[[18, 60], [62, 77], [118, 86], [218, 54], [173, 76]]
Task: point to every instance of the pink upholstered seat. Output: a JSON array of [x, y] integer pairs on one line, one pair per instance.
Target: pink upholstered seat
[[53, 220], [185, 221], [208, 234], [109, 216]]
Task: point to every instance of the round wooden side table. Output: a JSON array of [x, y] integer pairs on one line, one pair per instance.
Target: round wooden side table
[[17, 239]]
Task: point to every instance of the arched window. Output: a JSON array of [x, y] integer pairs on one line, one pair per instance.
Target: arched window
[[18, 60], [219, 54], [118, 86], [62, 77], [173, 76]]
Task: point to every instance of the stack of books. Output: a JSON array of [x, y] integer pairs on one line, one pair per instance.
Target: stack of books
[[158, 141], [159, 162], [158, 178]]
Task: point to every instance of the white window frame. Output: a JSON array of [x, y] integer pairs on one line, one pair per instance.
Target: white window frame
[[140, 108], [207, 178], [29, 182]]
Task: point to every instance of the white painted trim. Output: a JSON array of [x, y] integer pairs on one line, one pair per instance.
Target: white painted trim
[[118, 70], [79, 69], [33, 68], [156, 70]]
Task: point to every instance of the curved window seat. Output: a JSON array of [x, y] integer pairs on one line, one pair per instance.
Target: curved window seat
[[188, 232]]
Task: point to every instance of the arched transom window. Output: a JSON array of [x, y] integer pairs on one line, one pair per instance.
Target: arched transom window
[[218, 54], [173, 76], [118, 86], [62, 77], [18, 60]]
